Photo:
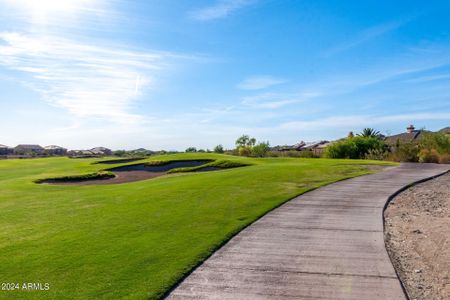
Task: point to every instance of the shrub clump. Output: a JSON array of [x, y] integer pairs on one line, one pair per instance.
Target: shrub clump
[[260, 150], [376, 154], [355, 147], [428, 156], [432, 148]]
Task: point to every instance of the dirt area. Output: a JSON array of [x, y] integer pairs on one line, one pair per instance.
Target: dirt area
[[136, 172], [417, 236]]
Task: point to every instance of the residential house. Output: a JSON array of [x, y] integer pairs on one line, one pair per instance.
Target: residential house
[[5, 150], [28, 150], [296, 147], [316, 147], [54, 150], [410, 135], [319, 147], [80, 154], [94, 152], [101, 151]]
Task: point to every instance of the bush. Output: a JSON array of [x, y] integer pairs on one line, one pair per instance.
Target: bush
[[408, 152], [260, 150], [354, 148], [436, 141], [191, 149], [376, 154], [120, 153], [432, 148], [244, 151], [444, 159], [428, 156]]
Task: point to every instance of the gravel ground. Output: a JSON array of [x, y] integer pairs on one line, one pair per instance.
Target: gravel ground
[[417, 238]]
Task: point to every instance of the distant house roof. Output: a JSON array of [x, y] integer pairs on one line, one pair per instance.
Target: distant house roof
[[287, 147], [54, 147], [300, 146], [324, 145], [142, 150], [3, 146], [29, 147], [405, 137], [312, 145], [445, 130], [81, 152], [96, 152], [102, 149]]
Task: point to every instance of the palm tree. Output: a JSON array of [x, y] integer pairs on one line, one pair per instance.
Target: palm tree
[[369, 132]]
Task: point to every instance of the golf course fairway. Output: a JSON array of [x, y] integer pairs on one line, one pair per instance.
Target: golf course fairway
[[136, 240]]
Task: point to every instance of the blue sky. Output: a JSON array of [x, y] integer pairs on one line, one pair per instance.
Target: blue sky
[[172, 74]]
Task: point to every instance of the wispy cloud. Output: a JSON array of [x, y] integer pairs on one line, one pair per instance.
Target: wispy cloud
[[429, 78], [365, 36], [275, 100], [260, 82], [86, 80], [220, 9]]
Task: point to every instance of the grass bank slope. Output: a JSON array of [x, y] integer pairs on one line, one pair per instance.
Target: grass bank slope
[[136, 240]]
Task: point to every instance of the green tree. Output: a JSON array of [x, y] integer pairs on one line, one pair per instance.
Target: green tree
[[245, 141], [218, 149], [191, 149], [369, 132]]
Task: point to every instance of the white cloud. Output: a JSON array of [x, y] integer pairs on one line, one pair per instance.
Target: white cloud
[[220, 9], [87, 81], [260, 82]]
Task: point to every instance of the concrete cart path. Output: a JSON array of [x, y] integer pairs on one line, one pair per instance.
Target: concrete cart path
[[325, 244]]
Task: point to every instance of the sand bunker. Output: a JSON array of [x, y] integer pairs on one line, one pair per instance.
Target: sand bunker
[[134, 172]]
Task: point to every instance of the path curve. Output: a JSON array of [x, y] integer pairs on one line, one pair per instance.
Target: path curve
[[325, 244]]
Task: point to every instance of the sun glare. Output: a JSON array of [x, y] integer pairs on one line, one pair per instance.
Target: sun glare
[[46, 7]]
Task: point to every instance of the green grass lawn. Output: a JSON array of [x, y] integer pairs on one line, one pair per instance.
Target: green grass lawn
[[135, 240]]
